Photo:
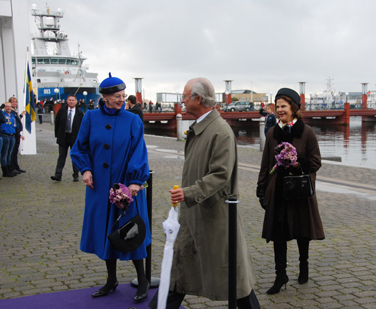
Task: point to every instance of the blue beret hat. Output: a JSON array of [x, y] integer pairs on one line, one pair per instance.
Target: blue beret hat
[[292, 94], [111, 85]]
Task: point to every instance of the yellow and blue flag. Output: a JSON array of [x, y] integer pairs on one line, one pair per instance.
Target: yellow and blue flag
[[30, 102]]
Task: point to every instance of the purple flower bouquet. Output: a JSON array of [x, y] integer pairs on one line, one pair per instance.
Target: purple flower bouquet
[[286, 156], [120, 196]]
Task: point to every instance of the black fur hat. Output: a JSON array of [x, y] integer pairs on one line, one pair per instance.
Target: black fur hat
[[292, 94]]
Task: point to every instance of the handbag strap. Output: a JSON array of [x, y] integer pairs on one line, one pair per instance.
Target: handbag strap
[[123, 214], [301, 169]]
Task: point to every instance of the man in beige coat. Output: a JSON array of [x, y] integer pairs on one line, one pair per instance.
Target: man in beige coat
[[210, 175]]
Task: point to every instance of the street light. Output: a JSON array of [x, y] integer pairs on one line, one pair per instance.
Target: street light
[[85, 94], [56, 90], [226, 93]]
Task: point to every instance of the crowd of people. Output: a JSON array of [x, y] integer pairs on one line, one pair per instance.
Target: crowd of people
[[107, 146], [10, 137]]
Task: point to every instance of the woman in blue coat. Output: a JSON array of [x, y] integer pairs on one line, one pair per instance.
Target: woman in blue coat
[[110, 148]]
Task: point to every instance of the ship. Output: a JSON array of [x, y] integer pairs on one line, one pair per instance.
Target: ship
[[57, 72]]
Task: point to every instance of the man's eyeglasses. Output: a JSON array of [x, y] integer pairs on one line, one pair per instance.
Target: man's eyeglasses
[[185, 96]]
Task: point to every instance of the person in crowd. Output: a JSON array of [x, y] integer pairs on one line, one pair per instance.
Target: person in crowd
[[210, 176], [67, 124], [83, 106], [287, 219], [14, 167], [270, 119], [145, 106], [8, 132], [150, 107], [90, 105], [40, 112], [134, 107], [51, 104], [110, 148], [2, 120]]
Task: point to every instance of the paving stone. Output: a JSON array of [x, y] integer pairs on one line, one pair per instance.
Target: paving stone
[[40, 228]]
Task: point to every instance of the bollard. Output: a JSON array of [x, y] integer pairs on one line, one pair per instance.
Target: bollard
[[262, 134], [154, 282], [52, 117], [179, 127], [232, 248]]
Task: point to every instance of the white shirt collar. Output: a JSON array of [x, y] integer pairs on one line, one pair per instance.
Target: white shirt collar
[[202, 117]]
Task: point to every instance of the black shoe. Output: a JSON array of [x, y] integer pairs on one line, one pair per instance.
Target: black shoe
[[19, 170], [75, 179], [140, 297], [103, 291], [303, 274], [16, 172], [278, 283], [57, 178], [6, 172]]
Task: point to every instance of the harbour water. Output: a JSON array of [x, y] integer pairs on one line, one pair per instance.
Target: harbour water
[[354, 145]]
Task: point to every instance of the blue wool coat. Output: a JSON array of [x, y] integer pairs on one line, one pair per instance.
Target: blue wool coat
[[112, 147]]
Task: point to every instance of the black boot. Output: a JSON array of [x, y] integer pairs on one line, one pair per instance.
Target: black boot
[[5, 171], [303, 246], [280, 258], [10, 170]]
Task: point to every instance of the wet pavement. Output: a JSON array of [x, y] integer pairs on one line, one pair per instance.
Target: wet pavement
[[41, 220]]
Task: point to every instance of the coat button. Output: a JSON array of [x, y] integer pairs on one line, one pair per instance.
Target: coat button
[[105, 165], [108, 126], [106, 146]]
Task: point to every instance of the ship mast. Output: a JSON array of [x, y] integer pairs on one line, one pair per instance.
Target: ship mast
[[49, 32]]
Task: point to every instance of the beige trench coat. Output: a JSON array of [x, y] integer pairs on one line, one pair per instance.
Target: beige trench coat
[[200, 262]]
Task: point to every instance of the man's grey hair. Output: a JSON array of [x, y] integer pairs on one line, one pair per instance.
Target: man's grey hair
[[204, 88]]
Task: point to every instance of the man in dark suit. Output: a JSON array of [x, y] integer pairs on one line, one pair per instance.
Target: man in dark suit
[[67, 124], [134, 107]]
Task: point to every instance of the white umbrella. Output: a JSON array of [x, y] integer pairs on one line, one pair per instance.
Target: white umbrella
[[171, 228]]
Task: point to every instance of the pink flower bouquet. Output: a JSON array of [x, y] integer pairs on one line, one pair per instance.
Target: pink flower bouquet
[[120, 195], [286, 156]]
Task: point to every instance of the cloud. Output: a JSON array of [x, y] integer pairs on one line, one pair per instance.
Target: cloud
[[266, 44]]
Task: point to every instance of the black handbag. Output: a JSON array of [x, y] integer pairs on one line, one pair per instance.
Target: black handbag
[[131, 235], [298, 186]]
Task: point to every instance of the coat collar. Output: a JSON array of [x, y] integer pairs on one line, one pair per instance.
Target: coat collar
[[198, 128], [296, 131]]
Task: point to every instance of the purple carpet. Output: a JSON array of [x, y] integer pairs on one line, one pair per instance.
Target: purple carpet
[[122, 298]]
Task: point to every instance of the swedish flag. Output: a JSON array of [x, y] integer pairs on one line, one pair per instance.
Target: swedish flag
[[30, 102]]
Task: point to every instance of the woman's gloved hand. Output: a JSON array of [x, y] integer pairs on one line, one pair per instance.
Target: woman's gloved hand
[[262, 201]]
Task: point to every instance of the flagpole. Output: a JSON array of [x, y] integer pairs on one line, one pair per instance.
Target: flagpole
[[24, 93]]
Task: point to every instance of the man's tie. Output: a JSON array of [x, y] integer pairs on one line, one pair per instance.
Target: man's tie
[[68, 126]]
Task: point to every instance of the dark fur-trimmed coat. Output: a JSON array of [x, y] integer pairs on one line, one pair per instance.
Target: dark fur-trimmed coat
[[287, 219]]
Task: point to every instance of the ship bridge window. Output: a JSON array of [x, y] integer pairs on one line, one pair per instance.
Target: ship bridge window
[[74, 62], [46, 61], [62, 61], [54, 61], [68, 61], [33, 60], [40, 61]]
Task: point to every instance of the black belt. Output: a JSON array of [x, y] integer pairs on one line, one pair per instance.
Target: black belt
[[8, 134]]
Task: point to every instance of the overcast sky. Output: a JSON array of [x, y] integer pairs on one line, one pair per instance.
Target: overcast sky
[[261, 45]]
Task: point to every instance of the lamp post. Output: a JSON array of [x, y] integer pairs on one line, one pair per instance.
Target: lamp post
[[310, 100], [271, 97], [56, 90], [85, 94], [226, 95]]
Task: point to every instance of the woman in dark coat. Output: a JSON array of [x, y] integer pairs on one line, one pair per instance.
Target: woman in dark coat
[[110, 148], [287, 219]]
